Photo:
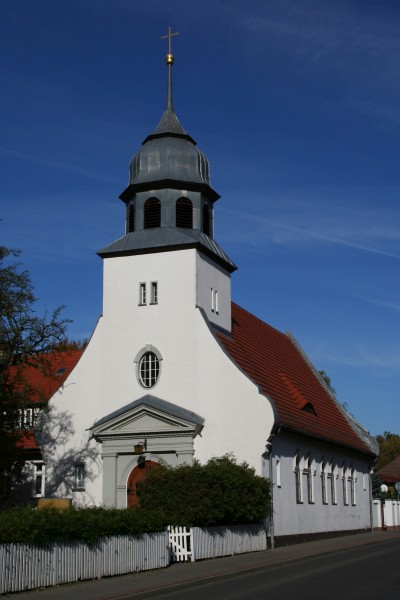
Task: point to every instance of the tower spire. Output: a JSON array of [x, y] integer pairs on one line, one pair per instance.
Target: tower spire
[[169, 59]]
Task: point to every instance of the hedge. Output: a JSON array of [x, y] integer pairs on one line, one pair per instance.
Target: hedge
[[220, 492], [40, 527]]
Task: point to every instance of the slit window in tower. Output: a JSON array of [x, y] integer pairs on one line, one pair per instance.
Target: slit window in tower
[[206, 220], [184, 213], [131, 219], [154, 292], [152, 213], [142, 294]]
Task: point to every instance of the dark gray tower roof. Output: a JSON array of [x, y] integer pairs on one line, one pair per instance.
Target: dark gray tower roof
[[169, 168]]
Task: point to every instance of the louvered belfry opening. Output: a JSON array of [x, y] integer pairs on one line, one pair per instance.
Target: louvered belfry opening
[[206, 220], [184, 213], [131, 219], [152, 213]]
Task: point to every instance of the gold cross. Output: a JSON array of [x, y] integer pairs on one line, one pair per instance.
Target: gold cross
[[169, 36]]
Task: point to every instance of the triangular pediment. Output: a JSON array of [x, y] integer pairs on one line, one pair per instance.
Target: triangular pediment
[[148, 416]]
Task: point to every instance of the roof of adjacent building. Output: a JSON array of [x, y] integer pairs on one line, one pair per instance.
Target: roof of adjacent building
[[44, 383], [276, 363], [391, 472]]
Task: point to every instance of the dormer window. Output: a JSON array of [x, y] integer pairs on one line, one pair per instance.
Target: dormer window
[[206, 220], [184, 213], [152, 213]]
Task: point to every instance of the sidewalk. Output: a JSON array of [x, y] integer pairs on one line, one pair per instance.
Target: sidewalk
[[186, 573]]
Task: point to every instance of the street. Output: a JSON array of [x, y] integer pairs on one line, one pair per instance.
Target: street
[[363, 573]]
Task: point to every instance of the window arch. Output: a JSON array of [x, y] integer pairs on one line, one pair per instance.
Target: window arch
[[184, 213], [152, 213], [131, 219], [206, 220]]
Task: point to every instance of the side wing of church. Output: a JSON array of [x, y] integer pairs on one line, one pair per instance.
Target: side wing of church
[[175, 371]]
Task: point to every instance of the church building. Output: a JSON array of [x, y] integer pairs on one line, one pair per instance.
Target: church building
[[176, 371]]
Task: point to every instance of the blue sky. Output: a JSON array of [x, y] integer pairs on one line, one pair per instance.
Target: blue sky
[[296, 103]]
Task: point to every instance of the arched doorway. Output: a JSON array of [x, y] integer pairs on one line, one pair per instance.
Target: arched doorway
[[136, 476]]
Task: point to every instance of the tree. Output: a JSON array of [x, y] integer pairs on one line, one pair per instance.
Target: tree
[[389, 448], [26, 340], [328, 381]]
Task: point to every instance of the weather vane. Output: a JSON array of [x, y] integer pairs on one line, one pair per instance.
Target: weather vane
[[169, 59]]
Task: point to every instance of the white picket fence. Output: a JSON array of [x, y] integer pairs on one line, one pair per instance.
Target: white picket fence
[[25, 567], [386, 514], [199, 543]]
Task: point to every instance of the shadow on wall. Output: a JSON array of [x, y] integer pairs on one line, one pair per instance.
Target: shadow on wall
[[54, 436]]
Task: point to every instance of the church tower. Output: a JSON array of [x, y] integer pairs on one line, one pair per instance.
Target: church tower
[[170, 207]]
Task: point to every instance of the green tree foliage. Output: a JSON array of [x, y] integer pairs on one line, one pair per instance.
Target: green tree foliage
[[25, 341], [328, 381], [221, 492], [389, 448]]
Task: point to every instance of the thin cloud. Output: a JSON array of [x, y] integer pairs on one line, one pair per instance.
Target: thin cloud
[[293, 234], [45, 162]]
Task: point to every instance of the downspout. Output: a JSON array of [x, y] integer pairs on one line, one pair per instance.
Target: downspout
[[271, 510]]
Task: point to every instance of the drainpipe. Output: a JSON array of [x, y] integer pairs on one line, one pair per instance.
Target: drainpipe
[[271, 511]]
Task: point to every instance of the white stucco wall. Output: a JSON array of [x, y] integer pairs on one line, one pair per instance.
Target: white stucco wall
[[292, 518], [195, 373]]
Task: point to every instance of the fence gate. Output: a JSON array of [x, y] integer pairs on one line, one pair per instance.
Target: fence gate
[[180, 544]]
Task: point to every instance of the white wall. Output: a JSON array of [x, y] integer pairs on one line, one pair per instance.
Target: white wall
[[291, 518], [196, 374]]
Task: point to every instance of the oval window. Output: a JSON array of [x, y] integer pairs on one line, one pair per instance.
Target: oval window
[[149, 369]]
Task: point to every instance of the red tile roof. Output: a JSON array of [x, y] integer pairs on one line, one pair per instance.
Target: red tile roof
[[391, 472], [44, 386], [274, 361]]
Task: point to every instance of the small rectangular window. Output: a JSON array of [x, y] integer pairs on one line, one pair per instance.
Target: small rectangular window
[[39, 472], [278, 472], [216, 301], [79, 476], [142, 294], [212, 300], [154, 292]]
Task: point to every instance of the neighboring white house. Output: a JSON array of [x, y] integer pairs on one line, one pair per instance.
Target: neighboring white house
[[175, 367]]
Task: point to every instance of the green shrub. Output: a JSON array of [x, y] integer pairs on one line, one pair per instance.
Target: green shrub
[[27, 526], [218, 493]]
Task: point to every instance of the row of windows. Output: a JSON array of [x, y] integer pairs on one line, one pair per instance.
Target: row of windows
[[143, 293], [183, 215], [305, 471]]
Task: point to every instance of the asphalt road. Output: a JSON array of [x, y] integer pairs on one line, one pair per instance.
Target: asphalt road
[[364, 573]]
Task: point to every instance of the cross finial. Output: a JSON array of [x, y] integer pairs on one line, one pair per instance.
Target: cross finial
[[170, 57]]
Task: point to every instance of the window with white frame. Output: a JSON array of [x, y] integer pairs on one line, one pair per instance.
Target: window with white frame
[[308, 474], [39, 478], [214, 300], [142, 294], [353, 479], [79, 476], [28, 417], [324, 491], [154, 292], [298, 479], [278, 472], [149, 369], [148, 366], [333, 477], [345, 488]]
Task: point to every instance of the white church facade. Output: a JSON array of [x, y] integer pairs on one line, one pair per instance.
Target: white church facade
[[175, 371]]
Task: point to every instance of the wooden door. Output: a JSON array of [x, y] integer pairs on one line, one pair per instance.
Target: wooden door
[[136, 476]]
